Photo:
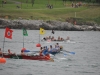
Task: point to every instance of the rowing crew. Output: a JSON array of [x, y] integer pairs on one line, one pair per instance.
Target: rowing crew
[[44, 50], [53, 39], [9, 52]]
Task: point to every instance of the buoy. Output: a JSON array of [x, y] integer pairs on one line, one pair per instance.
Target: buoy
[[23, 49], [2, 60], [38, 45]]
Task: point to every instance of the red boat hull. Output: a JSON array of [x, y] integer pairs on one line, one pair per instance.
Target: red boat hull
[[36, 57]]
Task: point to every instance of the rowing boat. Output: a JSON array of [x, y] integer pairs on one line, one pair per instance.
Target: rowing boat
[[50, 52], [28, 57], [57, 41]]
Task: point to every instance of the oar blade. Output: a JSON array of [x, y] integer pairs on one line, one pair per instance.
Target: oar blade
[[72, 52], [69, 52], [65, 54], [51, 60]]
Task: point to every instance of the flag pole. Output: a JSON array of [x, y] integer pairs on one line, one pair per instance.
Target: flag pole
[[39, 38], [24, 34], [3, 46], [8, 34], [23, 41]]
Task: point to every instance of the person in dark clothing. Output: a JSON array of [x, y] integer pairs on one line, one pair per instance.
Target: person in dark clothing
[[53, 32]]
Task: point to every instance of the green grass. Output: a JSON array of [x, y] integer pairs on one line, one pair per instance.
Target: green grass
[[40, 11]]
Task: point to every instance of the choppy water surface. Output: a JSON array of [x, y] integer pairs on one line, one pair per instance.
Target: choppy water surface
[[86, 61]]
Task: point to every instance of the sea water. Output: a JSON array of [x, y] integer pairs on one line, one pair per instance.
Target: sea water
[[85, 61]]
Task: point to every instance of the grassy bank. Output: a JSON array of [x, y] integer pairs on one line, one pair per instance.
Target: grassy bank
[[39, 11]]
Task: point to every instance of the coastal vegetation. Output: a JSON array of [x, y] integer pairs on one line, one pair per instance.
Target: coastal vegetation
[[61, 10]]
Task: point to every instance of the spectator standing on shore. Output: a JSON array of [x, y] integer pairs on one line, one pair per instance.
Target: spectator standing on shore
[[72, 4]]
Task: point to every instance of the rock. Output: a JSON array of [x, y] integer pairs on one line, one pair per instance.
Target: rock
[[47, 25]]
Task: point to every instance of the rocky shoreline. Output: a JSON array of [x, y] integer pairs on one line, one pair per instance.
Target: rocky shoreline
[[47, 25]]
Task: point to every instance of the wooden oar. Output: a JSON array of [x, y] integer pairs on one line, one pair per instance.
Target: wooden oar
[[17, 56]]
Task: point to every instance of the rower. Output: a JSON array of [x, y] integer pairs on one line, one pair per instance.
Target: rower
[[49, 37], [50, 49], [41, 50], [59, 39], [9, 52], [22, 52], [62, 39], [0, 51], [57, 46], [46, 52], [53, 39]]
